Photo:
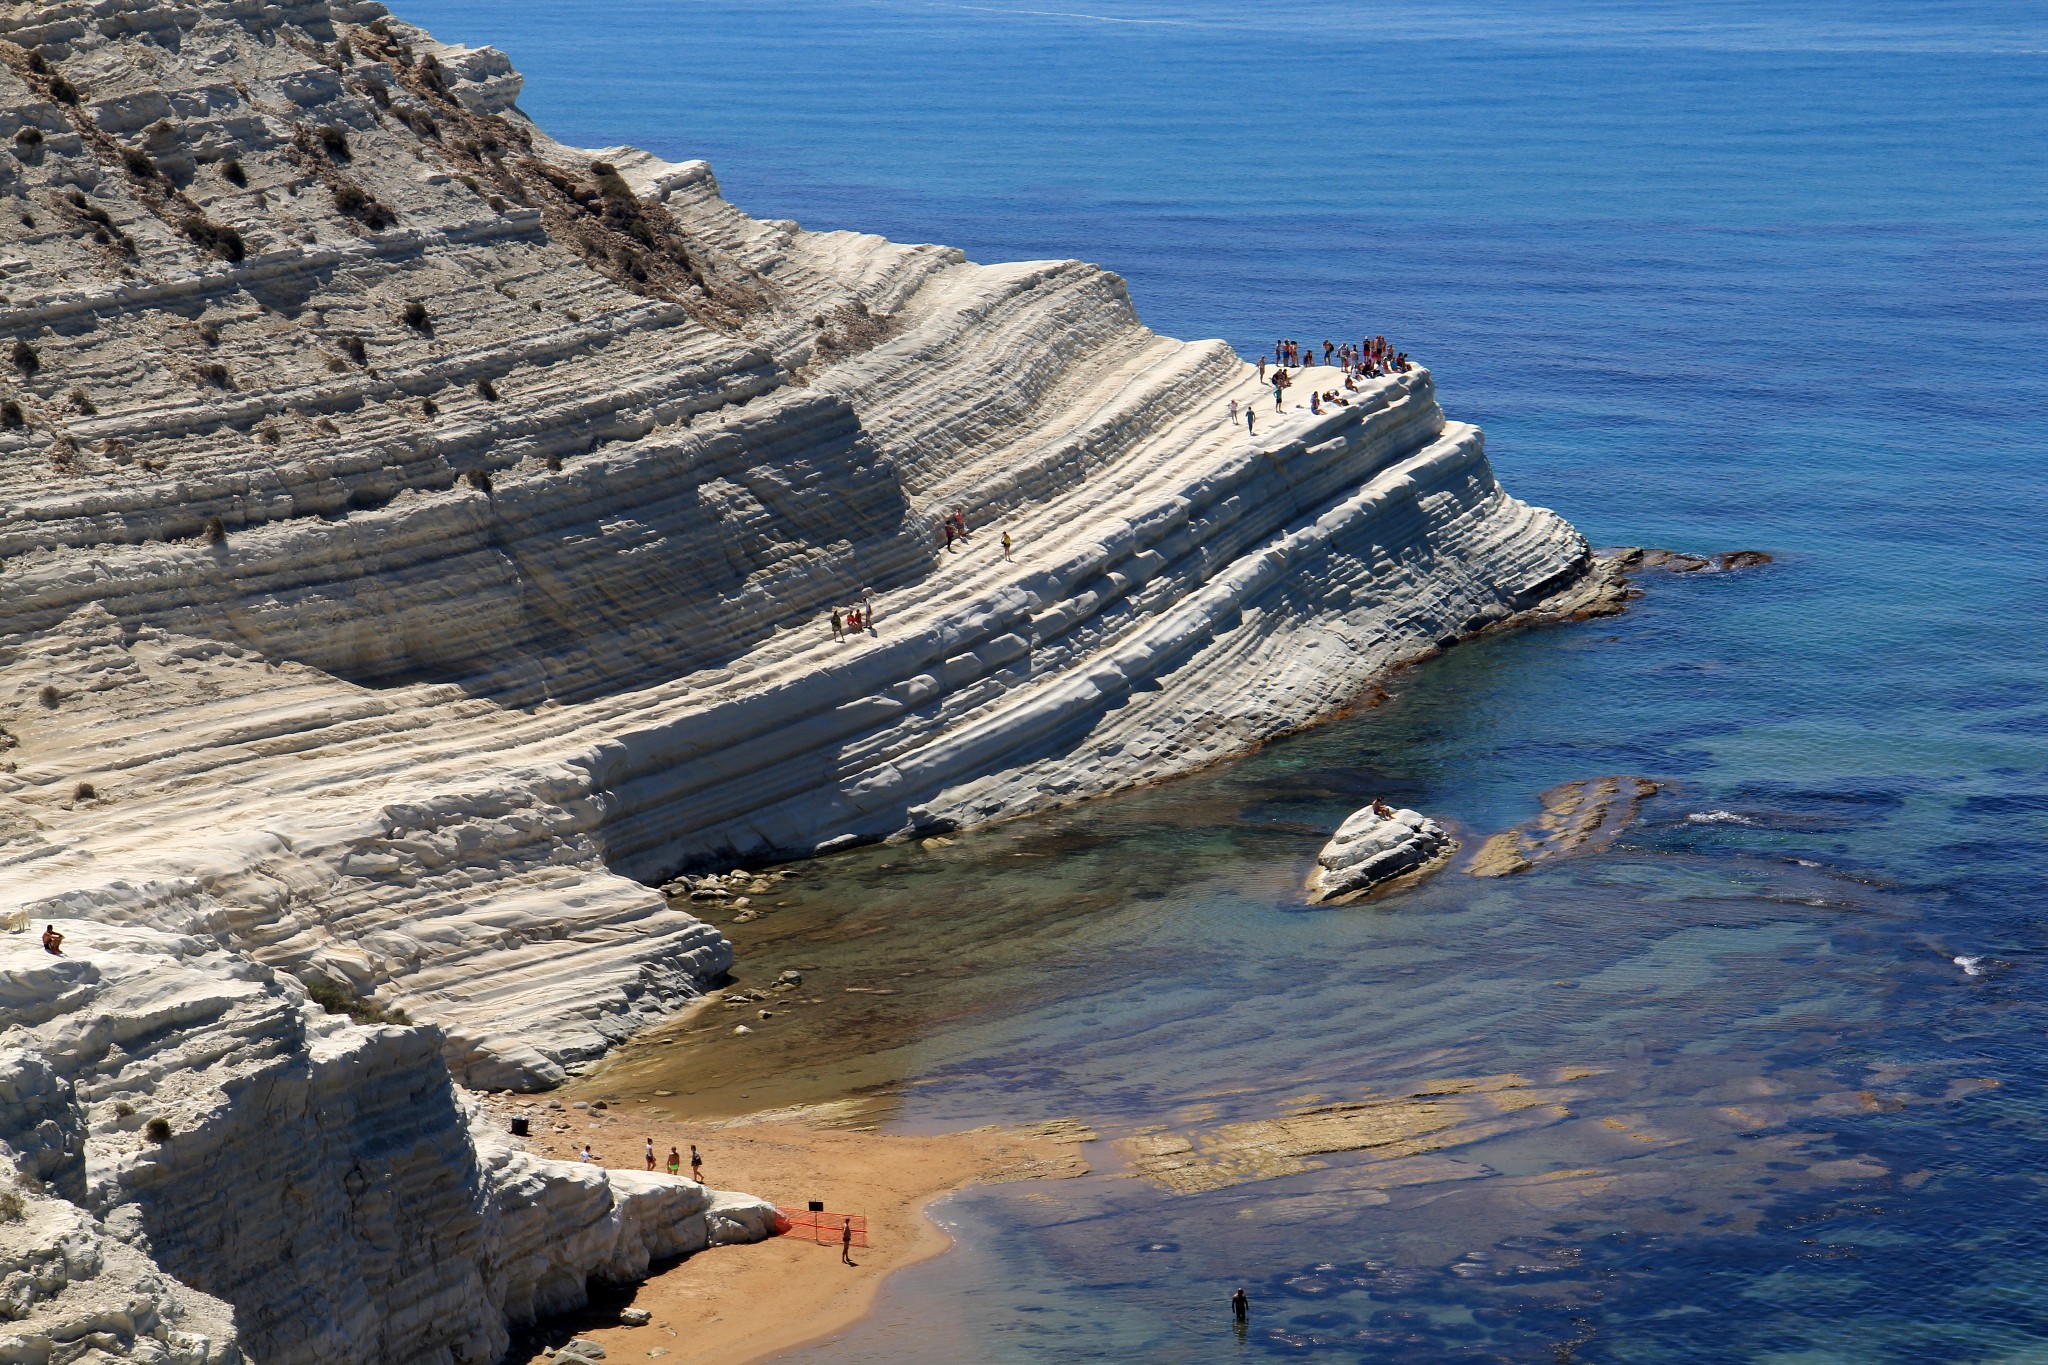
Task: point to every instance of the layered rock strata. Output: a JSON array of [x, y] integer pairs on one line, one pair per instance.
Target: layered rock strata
[[1370, 849], [416, 534], [185, 1132]]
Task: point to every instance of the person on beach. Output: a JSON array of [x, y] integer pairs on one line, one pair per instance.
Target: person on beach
[[846, 1240], [587, 1158], [1006, 545], [838, 626], [53, 942], [1240, 1306], [696, 1165], [650, 1154], [675, 1162]]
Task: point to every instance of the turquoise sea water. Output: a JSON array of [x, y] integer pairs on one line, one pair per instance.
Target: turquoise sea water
[[1712, 276]]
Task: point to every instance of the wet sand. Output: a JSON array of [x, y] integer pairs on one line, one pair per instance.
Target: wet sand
[[746, 1303]]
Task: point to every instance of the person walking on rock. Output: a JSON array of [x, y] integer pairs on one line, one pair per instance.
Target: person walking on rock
[[838, 626], [846, 1240], [1233, 412], [696, 1165], [1251, 422], [650, 1154]]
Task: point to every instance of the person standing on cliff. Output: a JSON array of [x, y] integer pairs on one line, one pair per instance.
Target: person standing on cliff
[[1233, 412], [696, 1165], [949, 535], [1251, 422], [846, 1240], [1006, 545], [1262, 369], [838, 626], [650, 1154]]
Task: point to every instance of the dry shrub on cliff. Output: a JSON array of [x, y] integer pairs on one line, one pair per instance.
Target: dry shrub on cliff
[[49, 696], [221, 240], [138, 163], [28, 135], [415, 317], [85, 791], [215, 531], [355, 202], [232, 172], [157, 1130], [335, 142], [25, 357], [335, 998], [10, 414]]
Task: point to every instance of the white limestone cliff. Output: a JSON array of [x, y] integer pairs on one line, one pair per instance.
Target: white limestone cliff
[[323, 1178], [417, 536], [416, 573]]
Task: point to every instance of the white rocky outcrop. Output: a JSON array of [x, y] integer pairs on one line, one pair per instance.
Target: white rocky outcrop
[[323, 1178], [1369, 849], [416, 535]]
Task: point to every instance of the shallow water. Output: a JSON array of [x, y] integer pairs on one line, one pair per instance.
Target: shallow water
[[1711, 276]]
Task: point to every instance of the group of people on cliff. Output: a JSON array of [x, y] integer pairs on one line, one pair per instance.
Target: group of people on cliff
[[1370, 359], [852, 620]]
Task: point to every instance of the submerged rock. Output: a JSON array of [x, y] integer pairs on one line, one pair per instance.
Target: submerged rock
[[1370, 848]]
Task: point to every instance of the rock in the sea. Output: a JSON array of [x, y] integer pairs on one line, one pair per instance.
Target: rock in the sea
[[1369, 849]]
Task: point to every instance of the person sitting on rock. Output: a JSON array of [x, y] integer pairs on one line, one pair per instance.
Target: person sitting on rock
[[53, 942], [1382, 809]]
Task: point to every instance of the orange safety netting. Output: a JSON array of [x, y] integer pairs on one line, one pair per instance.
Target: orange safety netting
[[820, 1227]]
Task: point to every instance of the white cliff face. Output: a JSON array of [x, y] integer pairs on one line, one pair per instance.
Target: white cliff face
[[322, 1178], [1369, 849], [393, 587]]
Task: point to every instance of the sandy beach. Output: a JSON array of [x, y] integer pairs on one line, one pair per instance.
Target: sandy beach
[[747, 1303]]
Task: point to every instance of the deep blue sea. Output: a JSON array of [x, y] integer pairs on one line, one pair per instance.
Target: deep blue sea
[[1712, 276]]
